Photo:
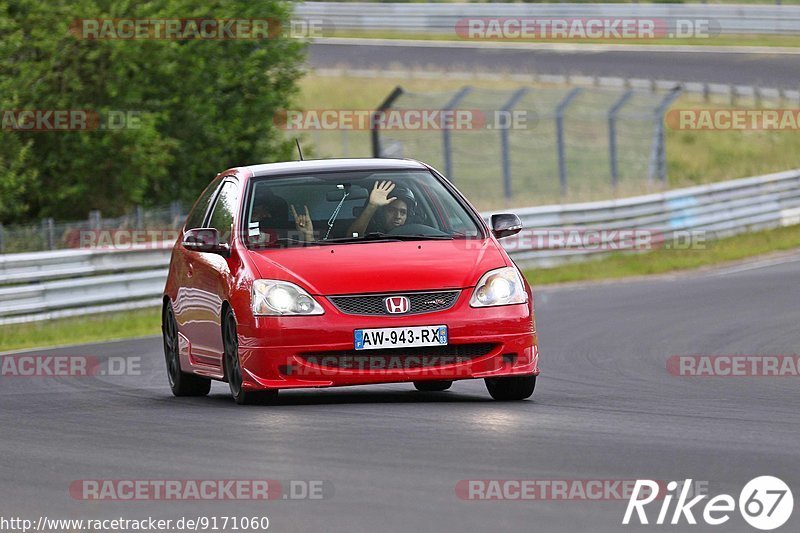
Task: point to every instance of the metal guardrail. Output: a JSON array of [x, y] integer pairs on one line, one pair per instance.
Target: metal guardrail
[[43, 285], [43, 266], [442, 18], [62, 283], [716, 210]]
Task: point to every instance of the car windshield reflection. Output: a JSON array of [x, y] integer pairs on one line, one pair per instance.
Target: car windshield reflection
[[354, 207]]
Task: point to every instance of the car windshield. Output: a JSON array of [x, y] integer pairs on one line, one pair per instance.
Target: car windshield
[[353, 207]]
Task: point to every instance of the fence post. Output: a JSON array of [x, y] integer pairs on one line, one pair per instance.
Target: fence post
[[316, 135], [138, 217], [658, 163], [386, 104], [562, 163], [175, 209], [612, 135], [47, 233], [2, 239], [504, 148], [94, 219], [446, 145]]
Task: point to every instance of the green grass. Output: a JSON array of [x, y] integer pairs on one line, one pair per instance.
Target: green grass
[[84, 329], [718, 40], [696, 157], [621, 265]]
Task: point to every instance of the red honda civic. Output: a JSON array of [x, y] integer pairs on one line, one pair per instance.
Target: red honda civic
[[344, 272]]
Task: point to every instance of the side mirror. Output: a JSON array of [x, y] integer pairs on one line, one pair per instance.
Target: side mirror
[[505, 224], [205, 240]]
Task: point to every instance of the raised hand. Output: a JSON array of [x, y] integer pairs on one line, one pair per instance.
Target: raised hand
[[303, 223], [380, 194]]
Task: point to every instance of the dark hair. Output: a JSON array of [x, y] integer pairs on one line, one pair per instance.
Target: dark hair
[[277, 207]]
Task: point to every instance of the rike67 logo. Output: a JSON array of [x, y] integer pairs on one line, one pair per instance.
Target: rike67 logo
[[766, 503]]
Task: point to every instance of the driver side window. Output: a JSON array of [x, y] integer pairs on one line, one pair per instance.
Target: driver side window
[[224, 211], [198, 213]]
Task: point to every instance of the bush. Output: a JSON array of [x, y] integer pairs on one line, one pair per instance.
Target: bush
[[199, 106]]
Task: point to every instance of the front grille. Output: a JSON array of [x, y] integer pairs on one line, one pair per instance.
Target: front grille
[[373, 304], [400, 358]]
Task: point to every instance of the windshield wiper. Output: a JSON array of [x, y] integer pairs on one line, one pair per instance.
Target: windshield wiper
[[282, 240], [420, 237], [380, 236], [375, 236], [372, 236]]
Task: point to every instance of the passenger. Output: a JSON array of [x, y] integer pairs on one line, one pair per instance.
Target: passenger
[[271, 212]]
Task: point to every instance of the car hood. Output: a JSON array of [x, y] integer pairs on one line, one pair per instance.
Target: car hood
[[381, 266]]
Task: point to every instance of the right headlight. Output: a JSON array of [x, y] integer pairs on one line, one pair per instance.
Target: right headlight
[[502, 286], [275, 297]]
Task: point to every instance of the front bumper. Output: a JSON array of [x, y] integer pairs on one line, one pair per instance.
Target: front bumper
[[318, 351]]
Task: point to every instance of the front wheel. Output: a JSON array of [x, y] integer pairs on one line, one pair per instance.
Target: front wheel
[[181, 383], [233, 367], [511, 389]]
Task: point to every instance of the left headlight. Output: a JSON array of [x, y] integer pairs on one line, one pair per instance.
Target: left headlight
[[502, 286], [275, 297]]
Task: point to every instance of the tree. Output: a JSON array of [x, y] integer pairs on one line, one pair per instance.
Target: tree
[[172, 112]]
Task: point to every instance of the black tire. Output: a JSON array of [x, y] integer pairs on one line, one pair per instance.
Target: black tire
[[181, 383], [511, 389], [233, 368], [432, 386]]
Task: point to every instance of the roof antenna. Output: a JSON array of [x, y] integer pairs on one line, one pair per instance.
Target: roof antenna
[[299, 150]]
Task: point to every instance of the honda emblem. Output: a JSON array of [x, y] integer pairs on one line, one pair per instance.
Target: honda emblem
[[397, 305]]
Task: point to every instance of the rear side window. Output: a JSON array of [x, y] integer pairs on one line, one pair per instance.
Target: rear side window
[[224, 209], [195, 218]]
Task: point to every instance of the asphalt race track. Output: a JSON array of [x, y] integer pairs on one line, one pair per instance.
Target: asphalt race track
[[605, 408], [766, 70]]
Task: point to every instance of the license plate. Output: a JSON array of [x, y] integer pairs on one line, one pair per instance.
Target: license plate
[[373, 339]]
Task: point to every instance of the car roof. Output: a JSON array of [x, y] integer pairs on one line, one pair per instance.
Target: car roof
[[328, 165]]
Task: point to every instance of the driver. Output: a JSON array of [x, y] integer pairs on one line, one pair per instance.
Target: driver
[[382, 212]]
